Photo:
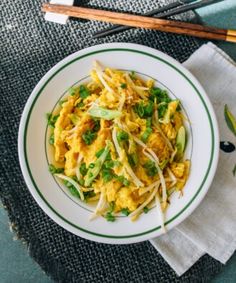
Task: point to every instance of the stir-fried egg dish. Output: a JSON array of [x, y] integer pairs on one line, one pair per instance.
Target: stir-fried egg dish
[[120, 141]]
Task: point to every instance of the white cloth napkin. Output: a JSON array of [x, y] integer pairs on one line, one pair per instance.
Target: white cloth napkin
[[211, 228]]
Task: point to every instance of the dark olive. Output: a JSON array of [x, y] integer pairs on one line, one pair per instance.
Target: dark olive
[[227, 146]]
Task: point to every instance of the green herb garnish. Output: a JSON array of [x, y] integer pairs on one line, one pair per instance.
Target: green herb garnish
[[123, 85], [89, 136], [146, 134], [96, 126], [133, 159], [109, 164], [93, 172], [110, 217], [122, 136], [52, 169], [90, 175], [52, 119], [149, 122], [73, 191], [51, 139], [99, 153], [72, 91], [123, 180], [91, 165], [111, 206], [125, 211], [107, 174], [83, 170], [83, 92], [162, 110], [144, 110], [89, 194], [104, 113], [159, 94], [145, 209], [151, 168], [133, 75]]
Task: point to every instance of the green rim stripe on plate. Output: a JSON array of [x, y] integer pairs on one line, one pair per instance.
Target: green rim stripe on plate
[[112, 50]]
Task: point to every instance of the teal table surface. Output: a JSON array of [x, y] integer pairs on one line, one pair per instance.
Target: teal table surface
[[15, 263]]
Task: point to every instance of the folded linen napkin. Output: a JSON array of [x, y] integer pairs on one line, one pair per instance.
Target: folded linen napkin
[[211, 228]]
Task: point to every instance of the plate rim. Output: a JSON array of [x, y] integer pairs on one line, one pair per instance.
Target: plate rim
[[35, 191]]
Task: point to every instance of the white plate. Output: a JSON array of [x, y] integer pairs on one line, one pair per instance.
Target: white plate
[[35, 153]]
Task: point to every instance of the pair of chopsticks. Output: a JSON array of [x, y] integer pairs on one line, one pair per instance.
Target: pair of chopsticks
[[171, 9], [143, 22]]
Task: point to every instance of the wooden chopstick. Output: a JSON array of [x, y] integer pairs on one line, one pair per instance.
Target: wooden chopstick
[[142, 22], [172, 9]]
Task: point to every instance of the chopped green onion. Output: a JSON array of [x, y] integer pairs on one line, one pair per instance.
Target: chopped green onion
[[145, 209], [91, 165], [107, 114], [51, 139], [107, 175], [52, 119], [93, 172], [83, 170], [133, 75], [111, 206], [126, 182], [53, 170], [96, 126], [151, 168], [109, 164], [159, 94], [72, 189], [110, 217], [99, 153], [123, 180], [125, 211], [89, 137], [89, 194], [73, 182], [146, 134], [149, 122], [143, 110], [72, 91], [123, 85], [83, 92], [133, 159], [162, 109], [122, 136]]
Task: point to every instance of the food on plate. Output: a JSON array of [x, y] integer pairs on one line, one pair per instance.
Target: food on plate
[[119, 141]]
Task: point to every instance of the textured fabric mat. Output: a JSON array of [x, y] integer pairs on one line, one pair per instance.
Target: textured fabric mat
[[29, 47]]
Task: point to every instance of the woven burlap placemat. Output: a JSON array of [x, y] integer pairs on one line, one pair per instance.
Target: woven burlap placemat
[[29, 47]]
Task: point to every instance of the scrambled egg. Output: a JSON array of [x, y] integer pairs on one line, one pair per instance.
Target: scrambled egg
[[118, 170]]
